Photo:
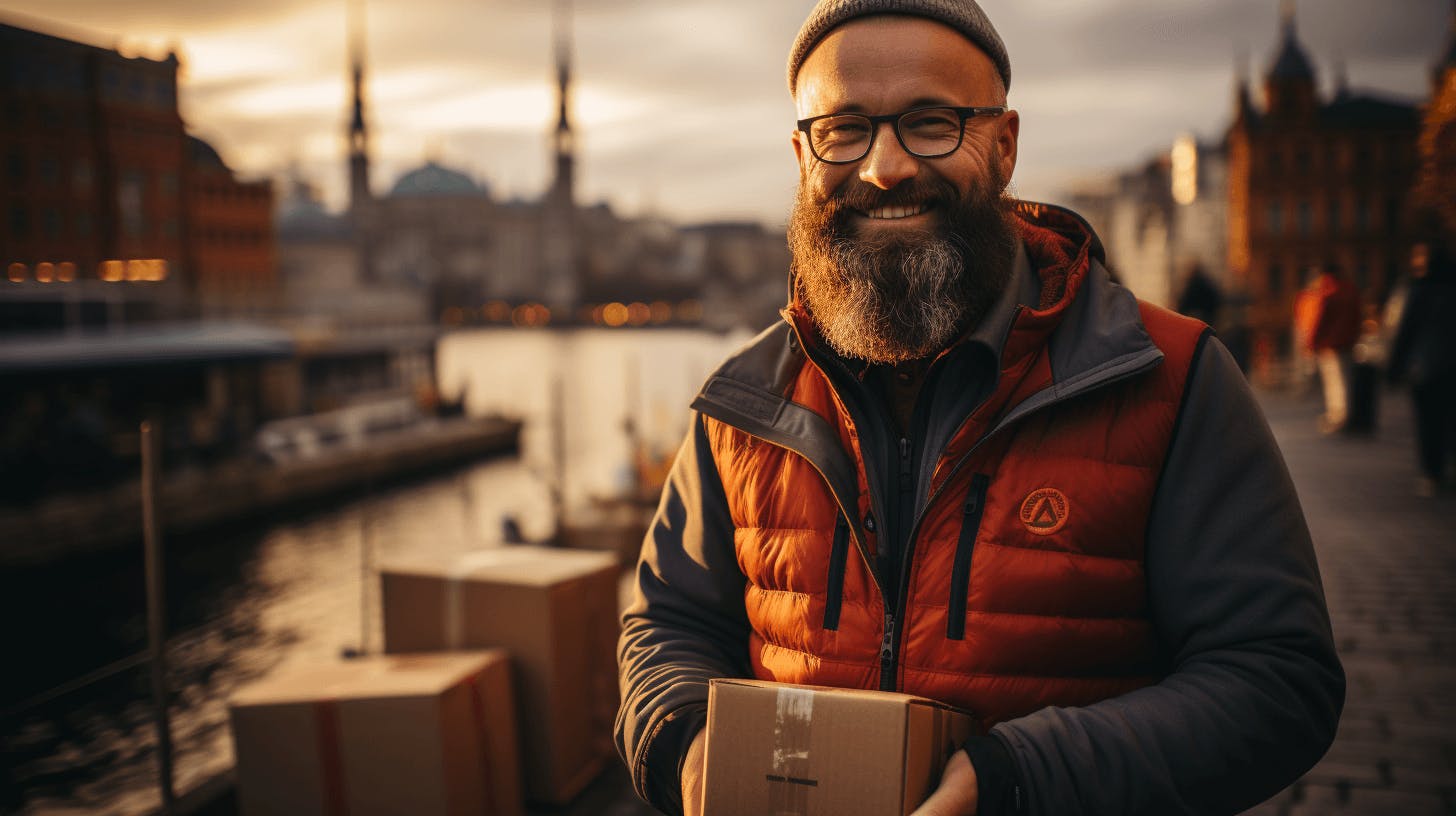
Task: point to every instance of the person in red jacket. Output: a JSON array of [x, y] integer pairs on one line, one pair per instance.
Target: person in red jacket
[[968, 465], [1327, 317]]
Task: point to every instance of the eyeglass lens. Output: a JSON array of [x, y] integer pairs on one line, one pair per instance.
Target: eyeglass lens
[[927, 133]]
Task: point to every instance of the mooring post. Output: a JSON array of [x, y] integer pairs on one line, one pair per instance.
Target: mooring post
[[156, 614]]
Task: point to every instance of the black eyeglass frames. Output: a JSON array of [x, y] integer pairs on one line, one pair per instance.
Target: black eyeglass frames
[[928, 133]]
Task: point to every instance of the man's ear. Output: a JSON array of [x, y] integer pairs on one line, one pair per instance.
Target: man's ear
[[801, 152], [1006, 140]]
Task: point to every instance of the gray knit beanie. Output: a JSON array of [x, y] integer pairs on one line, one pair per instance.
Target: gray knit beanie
[[964, 16]]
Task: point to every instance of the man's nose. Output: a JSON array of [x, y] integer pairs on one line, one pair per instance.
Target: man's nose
[[887, 164]]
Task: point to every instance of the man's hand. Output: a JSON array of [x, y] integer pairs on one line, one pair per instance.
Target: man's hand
[[957, 794], [692, 775]]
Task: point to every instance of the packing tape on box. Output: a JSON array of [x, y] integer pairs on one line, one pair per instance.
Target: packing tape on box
[[455, 580], [482, 729], [331, 762], [790, 781]]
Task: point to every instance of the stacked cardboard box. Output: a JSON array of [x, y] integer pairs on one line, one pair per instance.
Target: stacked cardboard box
[[418, 734], [813, 751], [555, 611]]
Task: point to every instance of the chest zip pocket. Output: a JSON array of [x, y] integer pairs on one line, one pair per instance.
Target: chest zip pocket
[[960, 576], [834, 595]]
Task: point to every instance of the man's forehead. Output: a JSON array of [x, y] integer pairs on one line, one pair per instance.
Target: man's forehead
[[894, 57]]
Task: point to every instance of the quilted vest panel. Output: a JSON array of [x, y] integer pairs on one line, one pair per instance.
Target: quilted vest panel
[[1053, 610]]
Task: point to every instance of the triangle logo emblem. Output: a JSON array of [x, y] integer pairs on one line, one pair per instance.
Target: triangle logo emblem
[[1044, 511]]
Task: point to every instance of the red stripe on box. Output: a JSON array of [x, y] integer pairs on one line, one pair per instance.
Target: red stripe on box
[[326, 731], [477, 708]]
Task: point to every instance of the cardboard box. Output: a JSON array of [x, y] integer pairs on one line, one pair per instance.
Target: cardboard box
[[420, 734], [556, 612], [775, 748]]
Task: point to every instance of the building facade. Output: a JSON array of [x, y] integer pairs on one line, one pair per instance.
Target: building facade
[[1158, 221], [232, 252], [1436, 188], [1314, 181], [111, 213]]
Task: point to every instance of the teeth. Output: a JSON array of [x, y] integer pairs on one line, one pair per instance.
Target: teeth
[[895, 212]]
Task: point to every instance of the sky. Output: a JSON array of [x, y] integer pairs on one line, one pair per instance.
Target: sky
[[682, 109]]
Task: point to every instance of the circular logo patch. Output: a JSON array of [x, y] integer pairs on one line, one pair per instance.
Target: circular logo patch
[[1045, 511]]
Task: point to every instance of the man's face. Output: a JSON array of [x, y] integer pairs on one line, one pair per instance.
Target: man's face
[[894, 254]]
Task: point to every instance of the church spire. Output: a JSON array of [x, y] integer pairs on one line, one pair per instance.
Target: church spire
[[560, 251], [359, 194], [563, 140]]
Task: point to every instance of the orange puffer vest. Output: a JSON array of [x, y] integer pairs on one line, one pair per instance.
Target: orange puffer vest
[[1025, 584]]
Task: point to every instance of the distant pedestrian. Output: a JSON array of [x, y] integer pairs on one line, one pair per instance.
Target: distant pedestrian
[[1201, 298], [1424, 354], [1327, 319]]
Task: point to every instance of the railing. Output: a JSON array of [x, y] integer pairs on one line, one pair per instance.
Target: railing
[[155, 654]]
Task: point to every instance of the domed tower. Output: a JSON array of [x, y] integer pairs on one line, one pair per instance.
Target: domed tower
[[1289, 87]]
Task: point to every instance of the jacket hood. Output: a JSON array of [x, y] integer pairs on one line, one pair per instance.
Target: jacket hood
[[1061, 247]]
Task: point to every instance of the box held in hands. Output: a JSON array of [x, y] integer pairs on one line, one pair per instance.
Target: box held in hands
[[813, 751]]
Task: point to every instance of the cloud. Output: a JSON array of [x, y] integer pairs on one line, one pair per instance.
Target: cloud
[[683, 103]]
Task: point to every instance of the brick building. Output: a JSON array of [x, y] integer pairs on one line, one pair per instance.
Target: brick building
[[1437, 184], [232, 252], [1312, 181], [109, 214]]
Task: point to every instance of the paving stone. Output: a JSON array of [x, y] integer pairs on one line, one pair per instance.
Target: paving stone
[[1390, 581]]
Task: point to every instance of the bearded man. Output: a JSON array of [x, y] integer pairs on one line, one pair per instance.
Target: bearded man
[[967, 465]]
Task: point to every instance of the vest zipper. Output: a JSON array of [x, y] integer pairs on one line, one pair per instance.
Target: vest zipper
[[838, 554], [960, 576], [888, 647], [905, 514]]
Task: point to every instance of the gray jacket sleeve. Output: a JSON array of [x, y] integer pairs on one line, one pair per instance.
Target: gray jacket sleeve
[[1255, 688], [685, 625]]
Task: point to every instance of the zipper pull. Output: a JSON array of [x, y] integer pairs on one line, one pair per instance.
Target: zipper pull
[[887, 655], [905, 476], [887, 643]]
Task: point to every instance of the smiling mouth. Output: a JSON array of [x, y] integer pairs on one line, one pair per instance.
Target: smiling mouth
[[895, 213]]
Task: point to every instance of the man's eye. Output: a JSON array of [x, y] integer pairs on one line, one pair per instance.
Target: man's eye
[[930, 124], [842, 130]]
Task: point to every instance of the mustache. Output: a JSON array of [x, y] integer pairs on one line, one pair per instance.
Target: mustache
[[858, 196]]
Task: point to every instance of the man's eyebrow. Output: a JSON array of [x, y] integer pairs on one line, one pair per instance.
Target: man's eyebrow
[[917, 102]]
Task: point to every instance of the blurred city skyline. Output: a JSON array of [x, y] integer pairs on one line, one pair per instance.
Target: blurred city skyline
[[681, 110]]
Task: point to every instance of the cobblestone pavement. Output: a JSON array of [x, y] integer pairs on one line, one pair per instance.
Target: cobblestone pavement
[[1389, 563]]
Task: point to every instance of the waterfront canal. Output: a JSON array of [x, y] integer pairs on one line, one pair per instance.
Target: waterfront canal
[[244, 600]]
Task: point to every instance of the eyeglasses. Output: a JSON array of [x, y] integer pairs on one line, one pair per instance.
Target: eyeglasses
[[929, 133]]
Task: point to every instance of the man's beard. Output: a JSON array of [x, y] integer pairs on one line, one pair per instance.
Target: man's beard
[[888, 296]]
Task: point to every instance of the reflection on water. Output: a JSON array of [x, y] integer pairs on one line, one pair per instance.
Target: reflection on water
[[248, 599]]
